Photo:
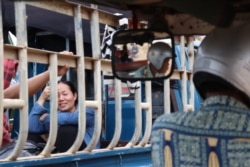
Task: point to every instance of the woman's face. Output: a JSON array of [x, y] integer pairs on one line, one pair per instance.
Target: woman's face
[[66, 98]]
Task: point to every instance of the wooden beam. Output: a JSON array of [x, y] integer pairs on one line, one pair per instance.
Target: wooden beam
[[67, 8], [42, 56]]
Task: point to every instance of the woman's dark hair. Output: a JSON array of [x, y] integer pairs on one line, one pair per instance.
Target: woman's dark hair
[[72, 88]]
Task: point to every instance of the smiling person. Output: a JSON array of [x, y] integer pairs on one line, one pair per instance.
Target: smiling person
[[39, 118]]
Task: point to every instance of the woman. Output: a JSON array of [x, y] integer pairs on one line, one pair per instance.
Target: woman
[[12, 92], [39, 119]]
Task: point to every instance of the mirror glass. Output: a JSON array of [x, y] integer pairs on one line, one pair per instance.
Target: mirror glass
[[142, 54]]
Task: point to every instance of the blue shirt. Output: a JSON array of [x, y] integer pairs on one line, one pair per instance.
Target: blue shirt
[[219, 132], [63, 118]]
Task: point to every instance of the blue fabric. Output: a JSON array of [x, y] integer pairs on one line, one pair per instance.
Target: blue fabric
[[222, 118], [63, 118]]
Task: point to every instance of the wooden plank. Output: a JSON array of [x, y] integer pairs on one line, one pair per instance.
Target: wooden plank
[[67, 8], [42, 56]]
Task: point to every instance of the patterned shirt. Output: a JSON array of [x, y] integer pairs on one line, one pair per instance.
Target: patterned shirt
[[217, 135], [10, 67]]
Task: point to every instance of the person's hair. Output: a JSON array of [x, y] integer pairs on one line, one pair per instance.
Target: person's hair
[[72, 88], [209, 83]]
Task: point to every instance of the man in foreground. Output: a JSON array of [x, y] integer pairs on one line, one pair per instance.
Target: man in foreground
[[218, 134]]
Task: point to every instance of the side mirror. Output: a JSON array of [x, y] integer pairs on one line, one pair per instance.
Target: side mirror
[[142, 54]]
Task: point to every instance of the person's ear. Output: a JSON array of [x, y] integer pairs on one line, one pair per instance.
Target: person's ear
[[75, 96]]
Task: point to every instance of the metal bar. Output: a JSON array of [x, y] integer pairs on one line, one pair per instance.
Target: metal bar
[[1, 73], [21, 31], [95, 38], [138, 119], [118, 115], [191, 62], [148, 110], [92, 103], [167, 100], [13, 103], [53, 106], [80, 81], [184, 75]]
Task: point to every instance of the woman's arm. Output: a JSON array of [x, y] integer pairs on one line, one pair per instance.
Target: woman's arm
[[65, 118], [40, 80], [35, 83], [44, 96], [35, 124]]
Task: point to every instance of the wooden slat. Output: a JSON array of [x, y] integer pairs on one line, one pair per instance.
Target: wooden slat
[[68, 7], [13, 103], [42, 56]]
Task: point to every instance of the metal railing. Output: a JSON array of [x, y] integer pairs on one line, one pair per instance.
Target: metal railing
[[24, 54]]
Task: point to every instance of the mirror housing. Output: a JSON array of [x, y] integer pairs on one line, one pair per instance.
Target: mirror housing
[[142, 54]]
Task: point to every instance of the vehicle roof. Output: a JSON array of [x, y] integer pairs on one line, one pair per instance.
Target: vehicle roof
[[55, 22], [187, 17], [183, 17]]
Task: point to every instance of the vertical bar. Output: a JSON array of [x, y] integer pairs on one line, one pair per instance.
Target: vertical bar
[[118, 115], [184, 74], [138, 119], [53, 105], [1, 72], [67, 46], [21, 31], [191, 63], [95, 39], [148, 110], [34, 73], [80, 80], [167, 100]]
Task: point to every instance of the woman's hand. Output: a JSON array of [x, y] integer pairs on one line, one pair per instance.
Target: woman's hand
[[44, 96], [63, 69], [43, 116]]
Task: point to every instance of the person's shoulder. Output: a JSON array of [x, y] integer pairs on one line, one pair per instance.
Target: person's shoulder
[[176, 120], [172, 117], [140, 71]]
